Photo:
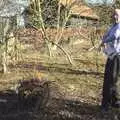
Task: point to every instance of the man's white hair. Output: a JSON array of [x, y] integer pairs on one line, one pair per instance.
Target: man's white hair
[[117, 12]]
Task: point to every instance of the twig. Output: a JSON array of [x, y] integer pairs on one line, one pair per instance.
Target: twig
[[61, 48], [64, 51]]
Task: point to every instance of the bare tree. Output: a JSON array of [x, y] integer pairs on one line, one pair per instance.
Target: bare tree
[[10, 10], [37, 9]]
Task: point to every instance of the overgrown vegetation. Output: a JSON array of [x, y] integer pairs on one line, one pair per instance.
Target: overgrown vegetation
[[49, 12], [75, 90]]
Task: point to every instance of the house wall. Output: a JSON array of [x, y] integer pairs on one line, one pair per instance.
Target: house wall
[[82, 22]]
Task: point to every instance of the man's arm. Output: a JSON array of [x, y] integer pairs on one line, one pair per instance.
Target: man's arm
[[113, 34]]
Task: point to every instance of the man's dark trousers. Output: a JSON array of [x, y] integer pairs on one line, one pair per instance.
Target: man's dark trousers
[[111, 84]]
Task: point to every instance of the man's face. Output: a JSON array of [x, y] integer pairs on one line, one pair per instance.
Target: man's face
[[115, 17]]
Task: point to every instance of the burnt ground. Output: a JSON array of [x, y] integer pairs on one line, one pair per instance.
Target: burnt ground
[[11, 108]]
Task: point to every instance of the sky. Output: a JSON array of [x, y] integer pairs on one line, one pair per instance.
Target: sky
[[100, 2]]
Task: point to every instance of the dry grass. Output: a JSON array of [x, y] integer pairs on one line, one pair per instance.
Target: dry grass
[[78, 86], [89, 66]]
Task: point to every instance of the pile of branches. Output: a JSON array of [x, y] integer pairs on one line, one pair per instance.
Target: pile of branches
[[33, 93]]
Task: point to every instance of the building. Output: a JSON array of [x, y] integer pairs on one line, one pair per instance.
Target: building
[[81, 14]]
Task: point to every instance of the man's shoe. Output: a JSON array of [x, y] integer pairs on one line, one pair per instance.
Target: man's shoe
[[105, 109], [116, 105]]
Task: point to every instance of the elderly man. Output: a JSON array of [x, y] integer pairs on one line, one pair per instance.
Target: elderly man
[[111, 85]]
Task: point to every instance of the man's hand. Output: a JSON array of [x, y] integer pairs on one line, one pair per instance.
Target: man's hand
[[102, 45]]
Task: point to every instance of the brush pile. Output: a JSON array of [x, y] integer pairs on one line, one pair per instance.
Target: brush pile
[[33, 93]]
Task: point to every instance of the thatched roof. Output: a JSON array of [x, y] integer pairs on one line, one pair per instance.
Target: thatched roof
[[79, 8]]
